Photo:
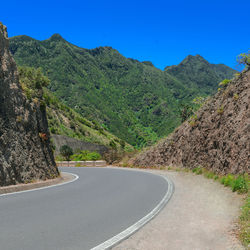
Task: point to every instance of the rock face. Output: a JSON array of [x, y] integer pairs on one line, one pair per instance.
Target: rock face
[[60, 140], [25, 153], [217, 137]]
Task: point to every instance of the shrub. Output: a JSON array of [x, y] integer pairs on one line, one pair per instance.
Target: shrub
[[236, 97], [228, 181], [244, 59], [193, 120], [224, 83], [53, 130], [112, 144], [240, 184], [122, 143], [220, 110], [86, 155], [216, 177]]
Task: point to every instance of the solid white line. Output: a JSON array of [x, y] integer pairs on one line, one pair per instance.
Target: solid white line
[[36, 189], [135, 227]]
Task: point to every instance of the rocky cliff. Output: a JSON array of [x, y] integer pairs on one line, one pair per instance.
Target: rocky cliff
[[217, 137], [25, 153]]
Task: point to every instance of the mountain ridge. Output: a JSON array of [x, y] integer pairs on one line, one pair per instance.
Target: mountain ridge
[[133, 100], [57, 36]]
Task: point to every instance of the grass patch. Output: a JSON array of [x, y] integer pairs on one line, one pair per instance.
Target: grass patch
[[238, 183], [245, 223], [197, 170], [210, 175]]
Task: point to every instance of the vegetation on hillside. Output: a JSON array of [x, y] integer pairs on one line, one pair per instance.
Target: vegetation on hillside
[[244, 59], [135, 101], [63, 120]]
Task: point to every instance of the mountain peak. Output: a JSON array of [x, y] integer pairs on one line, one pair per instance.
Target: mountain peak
[[148, 63], [189, 60], [56, 37], [194, 59]]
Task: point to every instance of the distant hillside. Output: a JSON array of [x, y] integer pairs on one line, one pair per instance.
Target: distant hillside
[[217, 137], [135, 101], [63, 120]]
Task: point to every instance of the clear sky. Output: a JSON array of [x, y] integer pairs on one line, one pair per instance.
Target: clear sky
[[163, 32]]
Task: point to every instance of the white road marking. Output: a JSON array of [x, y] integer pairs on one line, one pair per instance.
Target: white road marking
[[130, 230], [135, 227], [36, 189]]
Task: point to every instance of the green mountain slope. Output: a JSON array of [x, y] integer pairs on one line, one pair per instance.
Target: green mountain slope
[[63, 120], [135, 101], [197, 73]]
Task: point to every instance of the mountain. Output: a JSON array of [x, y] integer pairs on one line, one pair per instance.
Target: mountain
[[196, 72], [25, 150], [217, 137], [64, 121], [135, 101]]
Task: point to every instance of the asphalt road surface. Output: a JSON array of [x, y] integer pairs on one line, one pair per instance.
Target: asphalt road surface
[[79, 215]]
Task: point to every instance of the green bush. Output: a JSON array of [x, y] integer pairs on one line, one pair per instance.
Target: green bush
[[229, 180], [224, 82], [244, 59], [240, 184], [86, 155]]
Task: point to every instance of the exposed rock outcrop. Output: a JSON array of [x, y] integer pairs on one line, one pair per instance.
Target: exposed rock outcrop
[[217, 137], [25, 152]]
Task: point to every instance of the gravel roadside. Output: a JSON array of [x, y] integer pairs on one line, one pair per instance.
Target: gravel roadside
[[201, 215]]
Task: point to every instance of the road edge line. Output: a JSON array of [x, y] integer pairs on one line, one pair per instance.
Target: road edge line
[[41, 188], [108, 244]]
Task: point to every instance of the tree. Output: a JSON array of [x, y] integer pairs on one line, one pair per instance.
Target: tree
[[66, 152], [244, 59]]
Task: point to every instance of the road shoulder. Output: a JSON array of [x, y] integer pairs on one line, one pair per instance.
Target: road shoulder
[[202, 214]]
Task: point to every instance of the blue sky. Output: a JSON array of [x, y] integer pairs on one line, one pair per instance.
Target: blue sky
[[163, 32]]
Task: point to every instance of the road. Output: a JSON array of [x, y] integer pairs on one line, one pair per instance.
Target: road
[[79, 215]]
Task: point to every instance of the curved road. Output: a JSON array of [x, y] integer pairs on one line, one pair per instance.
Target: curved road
[[78, 215]]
